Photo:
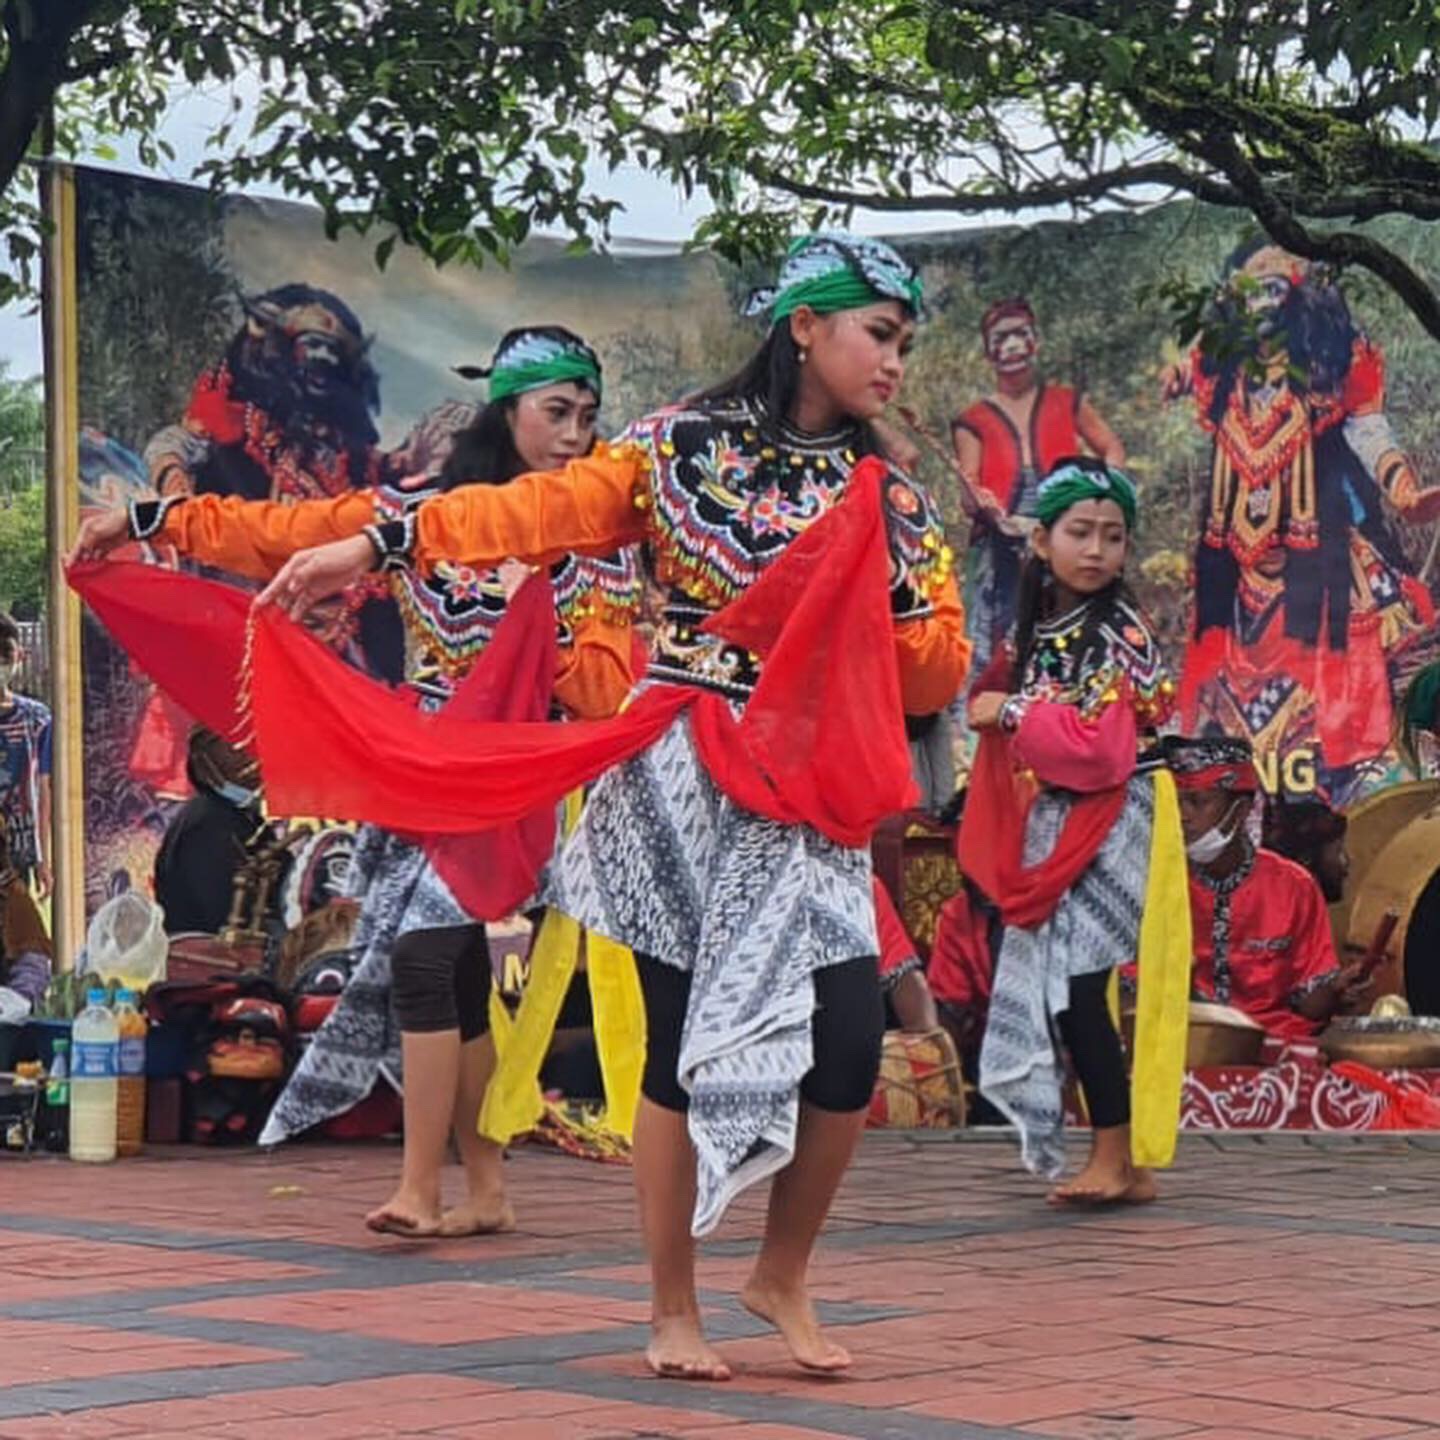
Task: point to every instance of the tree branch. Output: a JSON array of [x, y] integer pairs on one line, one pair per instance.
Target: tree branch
[[1167, 174], [1346, 247], [34, 65]]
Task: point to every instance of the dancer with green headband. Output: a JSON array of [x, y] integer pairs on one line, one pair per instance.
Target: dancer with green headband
[[417, 1001], [748, 905], [1072, 829]]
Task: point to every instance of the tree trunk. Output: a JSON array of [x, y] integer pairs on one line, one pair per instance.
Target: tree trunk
[[38, 35]]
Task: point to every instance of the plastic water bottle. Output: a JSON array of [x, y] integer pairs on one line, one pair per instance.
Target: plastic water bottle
[[130, 1074], [57, 1098], [93, 1091]]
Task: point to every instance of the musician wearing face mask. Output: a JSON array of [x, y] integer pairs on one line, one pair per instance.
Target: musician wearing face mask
[[207, 841], [1262, 934]]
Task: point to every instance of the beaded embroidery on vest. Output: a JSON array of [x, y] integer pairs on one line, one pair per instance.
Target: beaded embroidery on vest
[[729, 488]]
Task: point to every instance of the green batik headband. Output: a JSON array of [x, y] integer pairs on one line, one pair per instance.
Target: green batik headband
[[1082, 478], [530, 359], [833, 271]]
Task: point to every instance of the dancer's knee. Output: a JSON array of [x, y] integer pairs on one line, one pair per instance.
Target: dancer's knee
[[423, 967], [847, 1030], [667, 995]]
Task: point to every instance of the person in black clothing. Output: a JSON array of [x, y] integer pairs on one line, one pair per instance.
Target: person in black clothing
[[207, 841]]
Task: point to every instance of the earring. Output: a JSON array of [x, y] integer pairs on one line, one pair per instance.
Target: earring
[[801, 356]]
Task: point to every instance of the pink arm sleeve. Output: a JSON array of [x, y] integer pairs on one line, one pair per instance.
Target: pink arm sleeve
[[1069, 753]]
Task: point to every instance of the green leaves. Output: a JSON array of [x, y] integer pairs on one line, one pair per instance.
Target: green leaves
[[460, 127]]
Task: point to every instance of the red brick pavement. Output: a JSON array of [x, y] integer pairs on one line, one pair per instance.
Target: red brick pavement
[[1285, 1288]]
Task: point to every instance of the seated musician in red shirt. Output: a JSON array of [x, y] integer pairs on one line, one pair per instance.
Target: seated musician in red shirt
[[1262, 934]]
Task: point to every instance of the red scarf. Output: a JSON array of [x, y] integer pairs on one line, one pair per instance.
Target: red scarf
[[991, 844], [820, 742]]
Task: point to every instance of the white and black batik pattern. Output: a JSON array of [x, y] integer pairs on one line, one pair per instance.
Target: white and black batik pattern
[[663, 862], [1096, 926], [400, 893]]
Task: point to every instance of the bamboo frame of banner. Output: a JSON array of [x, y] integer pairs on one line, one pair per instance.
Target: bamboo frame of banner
[[62, 446]]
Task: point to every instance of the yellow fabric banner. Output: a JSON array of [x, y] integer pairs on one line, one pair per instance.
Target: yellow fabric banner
[[1162, 1002]]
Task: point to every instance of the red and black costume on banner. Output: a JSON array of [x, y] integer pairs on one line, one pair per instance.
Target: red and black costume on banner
[[1304, 596], [1011, 480], [289, 414]]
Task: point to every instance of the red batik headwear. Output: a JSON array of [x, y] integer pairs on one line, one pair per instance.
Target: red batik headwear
[[1212, 763]]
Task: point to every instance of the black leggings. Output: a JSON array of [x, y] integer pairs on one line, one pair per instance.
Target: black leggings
[[846, 1030], [1096, 1051], [441, 981]]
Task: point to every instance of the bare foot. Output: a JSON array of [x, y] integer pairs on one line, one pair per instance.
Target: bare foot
[[1099, 1184], [792, 1314], [1142, 1189], [678, 1350], [487, 1215], [404, 1214]]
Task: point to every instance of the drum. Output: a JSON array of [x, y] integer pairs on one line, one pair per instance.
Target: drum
[[1384, 1042], [1221, 1035], [919, 1087], [1393, 839]]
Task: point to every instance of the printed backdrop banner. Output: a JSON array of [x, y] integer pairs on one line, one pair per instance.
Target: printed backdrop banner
[[1285, 548]]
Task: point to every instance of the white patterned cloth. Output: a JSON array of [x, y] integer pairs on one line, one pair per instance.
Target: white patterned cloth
[[663, 862], [1096, 926], [360, 1039]]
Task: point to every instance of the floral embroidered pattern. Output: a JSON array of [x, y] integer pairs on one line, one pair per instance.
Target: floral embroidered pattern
[[1125, 664], [451, 615], [730, 488], [609, 589]]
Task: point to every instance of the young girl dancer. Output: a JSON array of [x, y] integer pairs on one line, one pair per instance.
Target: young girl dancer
[[418, 943], [755, 936], [1071, 828]]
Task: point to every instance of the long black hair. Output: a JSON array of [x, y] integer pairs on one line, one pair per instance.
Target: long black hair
[[771, 378], [484, 452]]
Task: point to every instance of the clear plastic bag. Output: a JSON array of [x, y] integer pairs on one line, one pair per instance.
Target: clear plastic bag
[[127, 941]]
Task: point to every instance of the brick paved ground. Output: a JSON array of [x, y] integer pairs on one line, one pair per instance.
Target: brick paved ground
[[1288, 1288]]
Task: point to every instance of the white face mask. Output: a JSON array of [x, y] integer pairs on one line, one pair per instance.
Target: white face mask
[[1211, 845]]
